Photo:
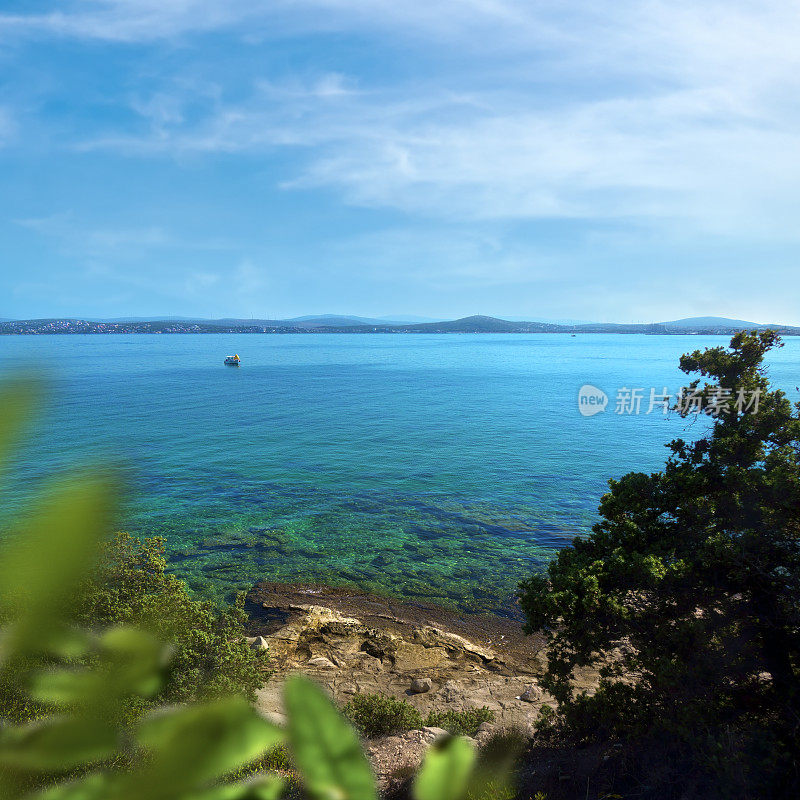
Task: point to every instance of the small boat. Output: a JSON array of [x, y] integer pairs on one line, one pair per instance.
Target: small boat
[[233, 361]]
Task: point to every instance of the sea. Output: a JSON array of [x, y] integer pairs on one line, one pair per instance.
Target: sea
[[436, 468]]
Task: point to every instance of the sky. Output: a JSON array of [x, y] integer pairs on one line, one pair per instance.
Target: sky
[[548, 159]]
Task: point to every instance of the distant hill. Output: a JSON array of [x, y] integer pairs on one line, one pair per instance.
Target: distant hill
[[148, 319], [343, 324], [477, 324], [481, 324], [335, 320], [717, 322], [407, 319], [348, 320], [310, 321]]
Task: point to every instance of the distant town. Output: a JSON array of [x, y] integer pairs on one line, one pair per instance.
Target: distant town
[[336, 324]]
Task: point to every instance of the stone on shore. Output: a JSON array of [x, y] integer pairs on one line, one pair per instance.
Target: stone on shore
[[320, 662], [421, 685], [532, 694]]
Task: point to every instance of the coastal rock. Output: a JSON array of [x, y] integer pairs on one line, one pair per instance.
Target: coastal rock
[[320, 662], [354, 643], [451, 692], [257, 643], [532, 694]]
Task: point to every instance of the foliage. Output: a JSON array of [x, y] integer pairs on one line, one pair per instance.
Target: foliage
[[446, 773], [382, 715], [325, 747], [129, 585], [460, 723], [210, 655], [85, 745], [687, 595]]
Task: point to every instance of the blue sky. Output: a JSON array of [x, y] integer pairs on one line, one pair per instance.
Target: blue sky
[[558, 159]]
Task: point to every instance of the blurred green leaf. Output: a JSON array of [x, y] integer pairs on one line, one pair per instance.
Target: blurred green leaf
[[129, 662], [262, 787], [189, 747], [65, 686], [134, 660], [47, 558], [91, 787], [56, 744], [445, 773], [326, 748], [69, 643], [492, 775]]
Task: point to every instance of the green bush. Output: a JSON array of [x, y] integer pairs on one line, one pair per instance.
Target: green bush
[[129, 585], [460, 723], [210, 655], [278, 759], [381, 715]]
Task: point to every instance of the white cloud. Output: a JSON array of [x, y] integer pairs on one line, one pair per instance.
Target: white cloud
[[675, 110], [128, 20], [148, 20]]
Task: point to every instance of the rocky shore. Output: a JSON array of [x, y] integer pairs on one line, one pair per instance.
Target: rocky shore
[[436, 660]]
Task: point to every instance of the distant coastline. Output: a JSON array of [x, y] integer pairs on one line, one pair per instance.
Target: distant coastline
[[474, 324]]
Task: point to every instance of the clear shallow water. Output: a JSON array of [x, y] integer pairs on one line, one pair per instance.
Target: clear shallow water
[[443, 468]]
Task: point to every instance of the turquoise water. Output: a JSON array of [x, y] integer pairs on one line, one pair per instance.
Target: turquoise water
[[442, 468]]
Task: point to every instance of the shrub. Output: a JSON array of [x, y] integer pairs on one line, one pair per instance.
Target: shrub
[[210, 655], [129, 585], [460, 723], [381, 715]]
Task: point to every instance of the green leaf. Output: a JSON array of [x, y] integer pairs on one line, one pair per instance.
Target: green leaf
[[326, 748], [45, 561], [69, 644], [193, 745], [445, 773], [62, 687], [134, 660], [261, 787], [90, 787], [56, 744]]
